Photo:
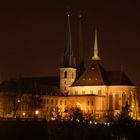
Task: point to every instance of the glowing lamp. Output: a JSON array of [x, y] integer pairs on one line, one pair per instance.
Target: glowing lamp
[[37, 112], [23, 113]]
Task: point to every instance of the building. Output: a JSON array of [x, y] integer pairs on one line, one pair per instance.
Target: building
[[94, 90]]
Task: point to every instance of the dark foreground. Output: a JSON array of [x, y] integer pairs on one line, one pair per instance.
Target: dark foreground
[[23, 130], [36, 130]]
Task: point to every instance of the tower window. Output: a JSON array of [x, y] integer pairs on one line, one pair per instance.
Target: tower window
[[65, 74]]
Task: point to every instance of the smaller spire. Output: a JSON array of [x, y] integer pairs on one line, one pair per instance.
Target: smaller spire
[[95, 55]]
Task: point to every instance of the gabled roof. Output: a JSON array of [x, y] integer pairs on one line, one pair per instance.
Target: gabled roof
[[94, 75]]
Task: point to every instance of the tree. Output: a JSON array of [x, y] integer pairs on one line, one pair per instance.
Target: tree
[[125, 111], [56, 114], [74, 114], [124, 117]]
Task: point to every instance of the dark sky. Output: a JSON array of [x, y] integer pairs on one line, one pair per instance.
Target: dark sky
[[32, 35]]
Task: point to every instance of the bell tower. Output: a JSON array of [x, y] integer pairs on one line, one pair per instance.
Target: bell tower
[[67, 69]]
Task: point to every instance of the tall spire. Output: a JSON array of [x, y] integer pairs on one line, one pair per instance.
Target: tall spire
[[68, 59], [80, 41], [95, 56]]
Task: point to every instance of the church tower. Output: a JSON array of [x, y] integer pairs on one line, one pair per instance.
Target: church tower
[[67, 70]]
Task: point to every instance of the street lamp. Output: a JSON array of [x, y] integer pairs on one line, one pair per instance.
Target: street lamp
[[36, 112]]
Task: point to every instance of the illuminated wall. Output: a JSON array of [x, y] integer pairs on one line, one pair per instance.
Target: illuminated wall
[[67, 77]]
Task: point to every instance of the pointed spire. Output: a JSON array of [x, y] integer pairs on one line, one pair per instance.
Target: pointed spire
[[95, 56], [80, 45], [68, 59]]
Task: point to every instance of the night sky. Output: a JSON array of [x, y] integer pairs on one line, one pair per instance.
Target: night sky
[[33, 35]]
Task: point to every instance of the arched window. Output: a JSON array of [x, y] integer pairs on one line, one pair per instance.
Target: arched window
[[65, 74]]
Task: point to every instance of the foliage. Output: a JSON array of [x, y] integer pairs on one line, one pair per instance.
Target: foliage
[[56, 114], [74, 114]]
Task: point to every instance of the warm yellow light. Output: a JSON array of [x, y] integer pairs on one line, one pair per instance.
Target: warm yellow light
[[23, 113], [37, 112], [18, 101], [132, 106], [78, 104]]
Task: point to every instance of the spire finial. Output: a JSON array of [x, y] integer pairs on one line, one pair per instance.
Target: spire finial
[[95, 56]]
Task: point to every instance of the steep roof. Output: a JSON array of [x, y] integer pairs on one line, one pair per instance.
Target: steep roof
[[96, 75], [93, 75]]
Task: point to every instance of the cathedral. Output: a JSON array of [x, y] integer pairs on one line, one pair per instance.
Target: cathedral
[[94, 90]]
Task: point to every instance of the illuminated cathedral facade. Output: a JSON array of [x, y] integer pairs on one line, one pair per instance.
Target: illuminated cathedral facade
[[94, 90]]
